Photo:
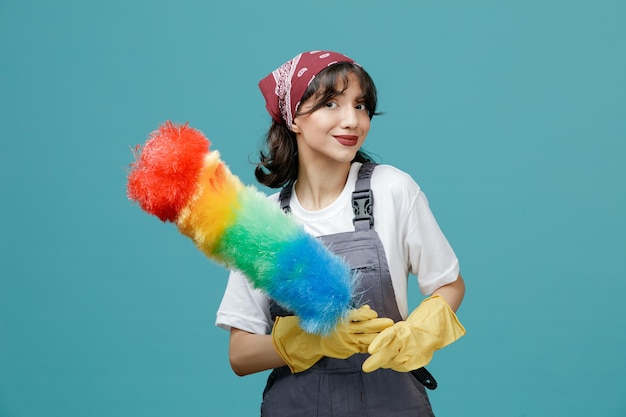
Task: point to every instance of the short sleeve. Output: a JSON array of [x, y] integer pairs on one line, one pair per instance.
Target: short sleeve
[[244, 307], [431, 257]]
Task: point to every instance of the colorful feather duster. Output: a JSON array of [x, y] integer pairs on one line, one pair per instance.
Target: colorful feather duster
[[176, 178]]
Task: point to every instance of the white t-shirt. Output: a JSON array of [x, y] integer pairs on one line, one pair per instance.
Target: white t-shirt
[[410, 235]]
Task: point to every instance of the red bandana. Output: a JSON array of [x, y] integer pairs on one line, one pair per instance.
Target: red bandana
[[284, 87]]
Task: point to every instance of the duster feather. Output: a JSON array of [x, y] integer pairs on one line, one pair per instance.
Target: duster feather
[[177, 178]]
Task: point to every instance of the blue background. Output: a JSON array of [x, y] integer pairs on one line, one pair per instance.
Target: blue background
[[510, 115]]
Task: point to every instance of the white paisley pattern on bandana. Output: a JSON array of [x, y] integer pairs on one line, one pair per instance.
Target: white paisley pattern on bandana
[[282, 76]]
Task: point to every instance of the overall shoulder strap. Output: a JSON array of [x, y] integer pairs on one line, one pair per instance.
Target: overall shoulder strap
[[363, 198], [285, 197]]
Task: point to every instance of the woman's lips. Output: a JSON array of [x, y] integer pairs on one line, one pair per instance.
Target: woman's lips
[[347, 140]]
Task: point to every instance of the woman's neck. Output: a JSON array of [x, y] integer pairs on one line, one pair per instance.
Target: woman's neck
[[319, 186]]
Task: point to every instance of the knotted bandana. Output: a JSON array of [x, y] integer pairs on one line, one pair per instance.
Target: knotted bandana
[[284, 87]]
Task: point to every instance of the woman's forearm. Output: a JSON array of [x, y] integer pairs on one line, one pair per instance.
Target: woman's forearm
[[453, 293], [250, 353]]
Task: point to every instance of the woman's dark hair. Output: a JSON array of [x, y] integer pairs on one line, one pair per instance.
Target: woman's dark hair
[[278, 163]]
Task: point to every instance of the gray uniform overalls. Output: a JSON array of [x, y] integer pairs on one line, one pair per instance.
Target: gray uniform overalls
[[339, 388]]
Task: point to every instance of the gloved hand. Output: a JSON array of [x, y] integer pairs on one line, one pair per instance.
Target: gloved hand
[[410, 344], [301, 350]]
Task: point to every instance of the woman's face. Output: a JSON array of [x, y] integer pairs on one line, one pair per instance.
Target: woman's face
[[337, 130]]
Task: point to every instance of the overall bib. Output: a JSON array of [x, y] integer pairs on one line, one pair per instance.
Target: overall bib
[[335, 387]]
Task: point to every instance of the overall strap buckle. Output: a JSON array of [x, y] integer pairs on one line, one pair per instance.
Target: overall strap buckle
[[363, 206]]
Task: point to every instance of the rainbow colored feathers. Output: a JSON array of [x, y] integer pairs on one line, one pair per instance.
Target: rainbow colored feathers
[[178, 179]]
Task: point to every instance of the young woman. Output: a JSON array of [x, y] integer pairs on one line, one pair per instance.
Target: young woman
[[377, 218]]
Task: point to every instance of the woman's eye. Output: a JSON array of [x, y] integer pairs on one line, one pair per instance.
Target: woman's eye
[[361, 107], [331, 105]]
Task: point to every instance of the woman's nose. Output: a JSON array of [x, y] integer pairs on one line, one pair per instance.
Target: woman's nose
[[349, 117]]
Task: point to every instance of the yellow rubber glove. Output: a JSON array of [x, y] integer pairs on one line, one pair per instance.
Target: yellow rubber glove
[[301, 350], [410, 344]]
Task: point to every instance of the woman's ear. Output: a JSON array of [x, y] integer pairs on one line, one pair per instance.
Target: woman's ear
[[294, 127]]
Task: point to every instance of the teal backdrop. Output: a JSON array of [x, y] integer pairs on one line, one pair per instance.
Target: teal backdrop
[[509, 114]]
